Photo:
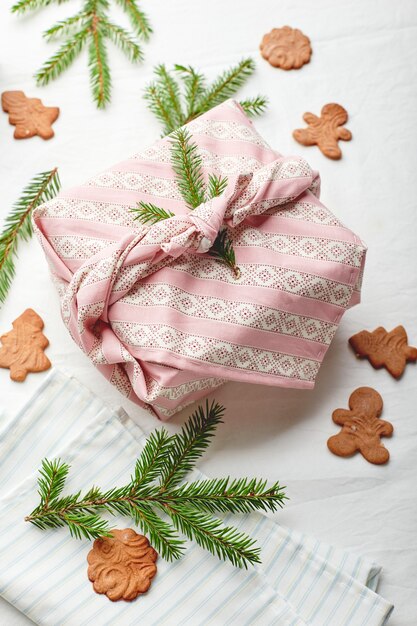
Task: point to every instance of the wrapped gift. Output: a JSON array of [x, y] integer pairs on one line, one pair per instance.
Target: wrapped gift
[[163, 320]]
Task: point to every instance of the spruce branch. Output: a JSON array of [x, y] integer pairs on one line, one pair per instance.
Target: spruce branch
[[169, 89], [194, 85], [222, 250], [226, 85], [156, 488], [179, 97], [254, 106], [188, 167], [18, 223], [24, 6], [216, 186], [188, 445], [225, 542], [137, 18], [156, 102], [63, 58], [149, 213], [90, 28]]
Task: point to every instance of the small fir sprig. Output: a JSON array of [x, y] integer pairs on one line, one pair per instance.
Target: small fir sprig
[[156, 488], [188, 167], [18, 224], [182, 94], [90, 28]]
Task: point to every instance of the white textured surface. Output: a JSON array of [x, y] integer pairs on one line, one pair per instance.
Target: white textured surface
[[364, 58]]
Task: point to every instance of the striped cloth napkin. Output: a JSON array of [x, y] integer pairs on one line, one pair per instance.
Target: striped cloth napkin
[[44, 573]]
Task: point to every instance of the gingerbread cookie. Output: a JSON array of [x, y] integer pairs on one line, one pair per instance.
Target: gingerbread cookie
[[361, 427], [325, 131], [287, 48], [29, 115], [383, 349], [22, 350], [122, 566]]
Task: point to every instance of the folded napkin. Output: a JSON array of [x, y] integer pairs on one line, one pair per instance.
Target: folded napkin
[[301, 582], [166, 323]]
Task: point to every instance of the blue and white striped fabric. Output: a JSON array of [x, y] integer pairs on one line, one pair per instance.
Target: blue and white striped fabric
[[44, 573]]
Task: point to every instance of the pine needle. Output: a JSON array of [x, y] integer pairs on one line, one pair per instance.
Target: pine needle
[[156, 487], [18, 224], [90, 27]]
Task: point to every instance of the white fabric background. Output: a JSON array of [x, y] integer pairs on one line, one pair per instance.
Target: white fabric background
[[364, 58]]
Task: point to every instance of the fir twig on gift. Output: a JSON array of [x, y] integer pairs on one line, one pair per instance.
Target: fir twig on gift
[[157, 488], [91, 27], [18, 224], [179, 96], [188, 167]]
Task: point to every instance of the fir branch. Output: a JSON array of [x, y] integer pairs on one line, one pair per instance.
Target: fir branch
[[149, 213], [123, 40], [177, 101], [137, 17], [24, 6], [216, 186], [155, 489], [187, 165], [188, 445], [226, 85], [168, 87], [194, 85], [63, 58], [153, 459], [98, 64], [18, 223], [254, 106], [90, 27], [156, 101], [225, 542], [222, 250], [52, 480], [64, 27], [224, 495]]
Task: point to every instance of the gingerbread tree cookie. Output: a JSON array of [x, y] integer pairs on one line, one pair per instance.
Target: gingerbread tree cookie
[[29, 115], [361, 427], [325, 131], [385, 349], [23, 347], [122, 566]]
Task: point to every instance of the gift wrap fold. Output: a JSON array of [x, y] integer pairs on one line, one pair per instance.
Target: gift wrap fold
[[301, 582], [163, 321]]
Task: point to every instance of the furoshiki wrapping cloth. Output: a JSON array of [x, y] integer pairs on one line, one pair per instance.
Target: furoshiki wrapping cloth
[[165, 322]]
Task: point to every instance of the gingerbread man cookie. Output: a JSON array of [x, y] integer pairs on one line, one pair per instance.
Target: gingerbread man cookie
[[22, 350], [286, 47], [29, 115], [122, 566], [361, 427], [325, 131], [383, 349]]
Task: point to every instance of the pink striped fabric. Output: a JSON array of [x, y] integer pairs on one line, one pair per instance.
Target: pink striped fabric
[[163, 321]]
